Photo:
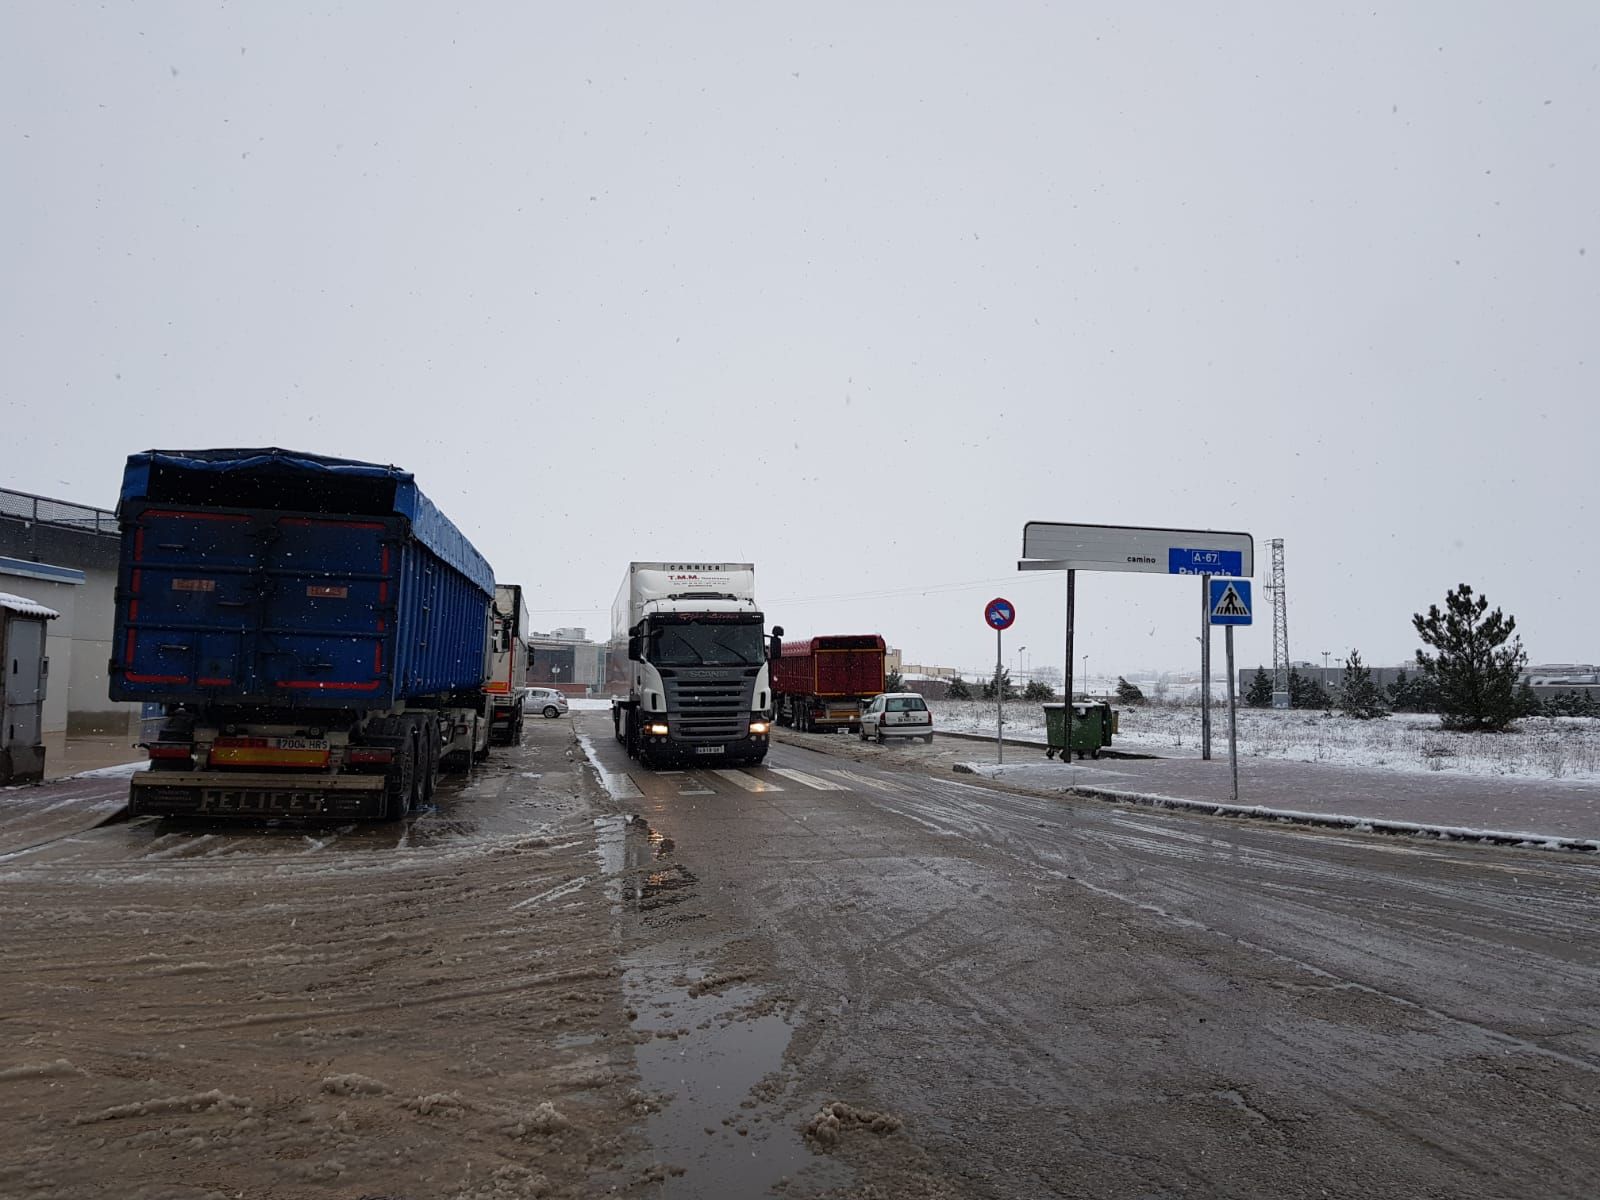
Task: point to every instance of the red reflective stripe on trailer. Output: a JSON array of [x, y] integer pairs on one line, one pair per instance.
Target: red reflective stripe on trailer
[[138, 547], [132, 678], [383, 586], [331, 687], [133, 609], [215, 682], [129, 654], [377, 658], [194, 516]]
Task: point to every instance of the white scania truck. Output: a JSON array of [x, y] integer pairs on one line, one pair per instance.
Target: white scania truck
[[687, 664]]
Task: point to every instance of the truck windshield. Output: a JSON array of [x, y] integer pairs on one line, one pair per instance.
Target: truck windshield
[[693, 645]]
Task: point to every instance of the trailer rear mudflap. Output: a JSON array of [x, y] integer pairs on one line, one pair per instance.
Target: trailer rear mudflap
[[255, 794]]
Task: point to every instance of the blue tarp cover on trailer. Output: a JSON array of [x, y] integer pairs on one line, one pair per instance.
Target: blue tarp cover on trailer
[[428, 525]]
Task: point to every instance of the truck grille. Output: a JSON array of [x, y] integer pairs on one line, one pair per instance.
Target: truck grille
[[709, 709]]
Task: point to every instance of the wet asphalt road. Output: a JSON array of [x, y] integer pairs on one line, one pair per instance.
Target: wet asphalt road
[[1056, 998], [1077, 999]]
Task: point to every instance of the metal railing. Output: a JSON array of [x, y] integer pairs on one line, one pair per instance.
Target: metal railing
[[42, 510]]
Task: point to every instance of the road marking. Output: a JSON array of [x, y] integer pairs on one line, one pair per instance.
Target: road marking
[[693, 784], [749, 782], [811, 781], [869, 781], [621, 787]]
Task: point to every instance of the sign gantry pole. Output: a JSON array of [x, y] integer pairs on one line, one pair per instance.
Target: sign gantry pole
[[1057, 546], [1205, 667], [1072, 619]]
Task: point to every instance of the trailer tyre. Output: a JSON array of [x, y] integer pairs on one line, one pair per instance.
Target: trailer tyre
[[400, 784], [428, 759]]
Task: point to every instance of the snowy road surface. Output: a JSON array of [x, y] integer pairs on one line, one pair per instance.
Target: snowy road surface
[[841, 969]]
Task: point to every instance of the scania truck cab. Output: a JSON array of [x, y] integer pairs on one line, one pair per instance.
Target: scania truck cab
[[687, 665]]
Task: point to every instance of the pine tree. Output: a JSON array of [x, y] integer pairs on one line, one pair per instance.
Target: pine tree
[[1000, 682], [894, 682], [1038, 689], [1128, 693], [1358, 695], [1259, 693], [1528, 704], [1306, 693], [958, 690], [1477, 663]]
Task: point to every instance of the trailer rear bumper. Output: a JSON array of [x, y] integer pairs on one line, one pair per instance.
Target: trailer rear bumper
[[255, 794]]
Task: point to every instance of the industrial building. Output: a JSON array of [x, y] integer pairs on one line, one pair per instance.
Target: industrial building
[[64, 556]]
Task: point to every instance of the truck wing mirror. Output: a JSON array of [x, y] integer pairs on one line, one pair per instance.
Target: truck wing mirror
[[635, 648]]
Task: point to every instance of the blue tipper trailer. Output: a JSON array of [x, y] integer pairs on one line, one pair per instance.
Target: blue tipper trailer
[[317, 630]]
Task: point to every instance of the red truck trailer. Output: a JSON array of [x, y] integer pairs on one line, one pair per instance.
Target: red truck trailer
[[825, 682]]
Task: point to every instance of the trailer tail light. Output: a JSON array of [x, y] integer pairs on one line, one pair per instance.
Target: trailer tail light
[[369, 755], [170, 750]]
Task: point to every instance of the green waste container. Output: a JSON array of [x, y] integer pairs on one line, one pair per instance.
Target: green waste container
[[1092, 727]]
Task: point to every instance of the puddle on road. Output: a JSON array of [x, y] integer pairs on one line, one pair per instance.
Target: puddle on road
[[708, 1053]]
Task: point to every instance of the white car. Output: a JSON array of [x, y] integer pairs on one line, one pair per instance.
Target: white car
[[897, 714], [545, 700]]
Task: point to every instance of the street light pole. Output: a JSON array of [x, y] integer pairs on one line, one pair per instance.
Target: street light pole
[[1325, 654]]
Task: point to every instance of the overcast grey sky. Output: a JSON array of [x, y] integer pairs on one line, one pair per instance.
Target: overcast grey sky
[[847, 290]]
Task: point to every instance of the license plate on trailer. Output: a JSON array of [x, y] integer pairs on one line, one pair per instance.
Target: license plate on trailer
[[709, 749], [300, 743]]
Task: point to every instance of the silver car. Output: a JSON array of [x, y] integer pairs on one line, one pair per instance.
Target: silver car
[[897, 714], [545, 700]]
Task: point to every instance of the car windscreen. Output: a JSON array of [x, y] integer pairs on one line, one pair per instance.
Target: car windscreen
[[905, 704]]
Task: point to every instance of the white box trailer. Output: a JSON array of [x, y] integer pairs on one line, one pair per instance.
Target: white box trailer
[[687, 663]]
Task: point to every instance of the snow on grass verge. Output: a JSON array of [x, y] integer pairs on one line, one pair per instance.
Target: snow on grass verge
[[1046, 777], [1565, 748]]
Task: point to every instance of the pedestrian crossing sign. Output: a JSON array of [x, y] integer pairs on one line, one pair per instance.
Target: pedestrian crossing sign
[[1230, 602]]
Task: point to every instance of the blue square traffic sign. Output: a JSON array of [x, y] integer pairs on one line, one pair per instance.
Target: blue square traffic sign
[[1230, 602]]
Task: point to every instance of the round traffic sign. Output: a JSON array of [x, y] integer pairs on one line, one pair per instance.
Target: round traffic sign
[[1000, 613]]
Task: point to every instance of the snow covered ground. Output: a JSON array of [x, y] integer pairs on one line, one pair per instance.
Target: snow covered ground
[[1535, 748]]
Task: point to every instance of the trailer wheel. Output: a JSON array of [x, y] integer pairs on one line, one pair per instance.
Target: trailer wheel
[[400, 785], [428, 758]]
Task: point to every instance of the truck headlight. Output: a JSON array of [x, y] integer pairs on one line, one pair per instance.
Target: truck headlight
[[759, 726], [658, 728]]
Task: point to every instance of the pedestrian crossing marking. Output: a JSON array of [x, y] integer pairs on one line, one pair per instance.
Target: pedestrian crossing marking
[[749, 782], [1230, 605], [869, 781], [811, 781]]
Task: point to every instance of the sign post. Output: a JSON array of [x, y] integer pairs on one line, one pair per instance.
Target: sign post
[[1057, 546], [1205, 668], [999, 613], [1228, 604]]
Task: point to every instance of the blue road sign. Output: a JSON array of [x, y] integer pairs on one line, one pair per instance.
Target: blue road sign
[[1230, 602], [1000, 613], [1204, 562]]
